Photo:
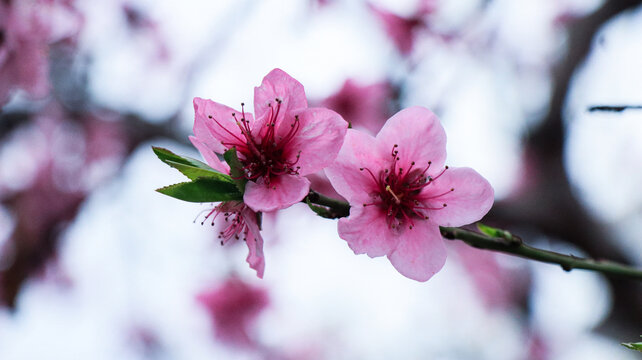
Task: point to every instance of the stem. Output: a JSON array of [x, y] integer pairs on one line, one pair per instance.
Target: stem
[[508, 244], [337, 208], [516, 247]]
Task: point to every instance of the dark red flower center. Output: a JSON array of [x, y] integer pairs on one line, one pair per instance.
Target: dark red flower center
[[399, 192], [264, 153]]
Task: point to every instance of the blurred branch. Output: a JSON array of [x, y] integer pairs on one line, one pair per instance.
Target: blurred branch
[[548, 204], [613, 108]]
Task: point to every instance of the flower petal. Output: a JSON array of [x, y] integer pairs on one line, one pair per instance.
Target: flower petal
[[215, 124], [359, 150], [470, 201], [319, 138], [254, 242], [421, 252], [278, 84], [420, 137], [209, 155], [366, 231], [283, 191]]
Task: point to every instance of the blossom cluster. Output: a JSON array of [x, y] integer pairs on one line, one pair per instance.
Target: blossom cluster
[[397, 184]]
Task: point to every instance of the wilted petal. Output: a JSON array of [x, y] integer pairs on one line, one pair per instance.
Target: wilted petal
[[421, 252], [367, 231], [470, 200], [282, 191]]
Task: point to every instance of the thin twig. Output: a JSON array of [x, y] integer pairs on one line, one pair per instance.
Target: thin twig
[[508, 244]]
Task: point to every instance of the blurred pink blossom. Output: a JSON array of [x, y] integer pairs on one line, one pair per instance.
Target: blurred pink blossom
[[365, 107], [66, 159], [496, 285], [400, 192], [286, 140], [27, 28], [401, 30], [234, 307]]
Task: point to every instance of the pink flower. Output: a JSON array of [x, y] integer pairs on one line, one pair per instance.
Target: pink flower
[[401, 192], [239, 221], [234, 307], [285, 141]]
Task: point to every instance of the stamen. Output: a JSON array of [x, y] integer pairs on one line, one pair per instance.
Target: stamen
[[397, 200]]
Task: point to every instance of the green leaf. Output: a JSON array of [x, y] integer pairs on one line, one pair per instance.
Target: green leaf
[[499, 233], [634, 346], [191, 168], [494, 232], [203, 190], [320, 210], [193, 172], [166, 155], [236, 169]]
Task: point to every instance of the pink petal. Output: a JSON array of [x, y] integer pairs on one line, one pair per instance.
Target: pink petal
[[470, 201], [366, 231], [220, 127], [209, 155], [359, 150], [420, 137], [283, 191], [319, 138], [278, 84], [421, 252], [254, 242]]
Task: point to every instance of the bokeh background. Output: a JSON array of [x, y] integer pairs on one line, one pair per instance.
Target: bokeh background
[[96, 265]]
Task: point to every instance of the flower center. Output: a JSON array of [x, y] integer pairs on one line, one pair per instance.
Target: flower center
[[233, 225], [399, 192], [264, 153]]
